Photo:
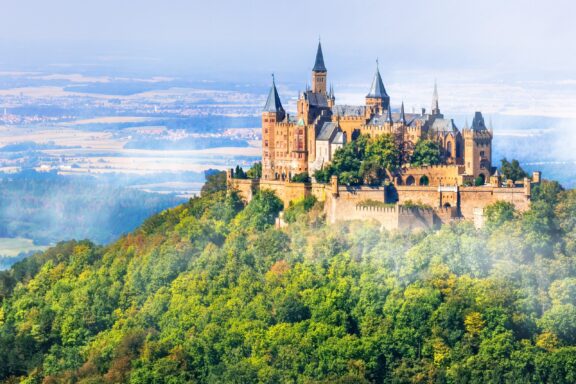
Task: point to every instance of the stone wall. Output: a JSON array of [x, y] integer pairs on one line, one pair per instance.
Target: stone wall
[[390, 218]]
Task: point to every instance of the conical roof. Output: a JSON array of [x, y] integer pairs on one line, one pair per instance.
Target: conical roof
[[319, 63], [389, 115], [377, 89], [273, 103], [402, 118]]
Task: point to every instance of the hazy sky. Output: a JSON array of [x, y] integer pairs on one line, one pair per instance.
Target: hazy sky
[[523, 36]]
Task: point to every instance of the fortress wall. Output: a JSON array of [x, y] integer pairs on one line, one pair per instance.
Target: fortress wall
[[286, 191], [362, 193], [437, 174], [422, 194], [245, 187], [415, 218], [472, 198]]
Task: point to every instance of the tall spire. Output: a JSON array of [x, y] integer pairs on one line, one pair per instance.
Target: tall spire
[[402, 118], [377, 89], [435, 106], [389, 116], [273, 103], [319, 63]]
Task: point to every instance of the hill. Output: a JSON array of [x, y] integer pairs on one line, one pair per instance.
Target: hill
[[211, 292]]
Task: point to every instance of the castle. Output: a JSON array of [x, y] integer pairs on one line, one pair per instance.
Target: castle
[[459, 188]]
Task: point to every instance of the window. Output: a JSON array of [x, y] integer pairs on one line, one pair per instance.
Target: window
[[482, 153]]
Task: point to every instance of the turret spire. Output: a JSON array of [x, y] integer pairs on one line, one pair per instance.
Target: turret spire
[[435, 106], [402, 118], [378, 92], [273, 103], [319, 63], [389, 116]]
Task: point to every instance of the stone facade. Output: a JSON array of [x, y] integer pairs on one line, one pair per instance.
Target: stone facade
[[297, 144]]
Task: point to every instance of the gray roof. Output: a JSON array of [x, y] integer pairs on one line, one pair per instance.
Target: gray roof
[[349, 110], [339, 138], [327, 131], [377, 89], [319, 63], [478, 122], [444, 125], [402, 117], [316, 99], [273, 103]]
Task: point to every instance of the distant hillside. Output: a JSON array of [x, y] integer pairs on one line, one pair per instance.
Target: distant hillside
[[211, 292], [49, 208]]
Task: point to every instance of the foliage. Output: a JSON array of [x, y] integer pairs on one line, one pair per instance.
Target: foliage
[[255, 172], [479, 181], [512, 170], [426, 152], [215, 182], [211, 292], [298, 208], [499, 213], [374, 203], [362, 160], [239, 173], [301, 178], [415, 204]]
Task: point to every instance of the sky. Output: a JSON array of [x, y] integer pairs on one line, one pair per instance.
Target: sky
[[519, 37]]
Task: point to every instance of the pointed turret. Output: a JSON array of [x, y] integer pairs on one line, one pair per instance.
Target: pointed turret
[[319, 72], [402, 118], [389, 116], [478, 122], [273, 103], [377, 95], [319, 63], [435, 106]]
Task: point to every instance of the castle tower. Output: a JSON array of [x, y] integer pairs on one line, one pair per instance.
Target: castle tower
[[377, 99], [478, 149], [272, 113], [319, 73]]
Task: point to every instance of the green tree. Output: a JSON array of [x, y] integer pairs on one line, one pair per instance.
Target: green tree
[[301, 178], [512, 170], [255, 172], [215, 182], [426, 152], [499, 212]]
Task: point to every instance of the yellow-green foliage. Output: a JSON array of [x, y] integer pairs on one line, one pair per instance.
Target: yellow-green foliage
[[211, 292]]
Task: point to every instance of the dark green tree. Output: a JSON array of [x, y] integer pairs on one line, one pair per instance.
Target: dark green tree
[[512, 170], [426, 152]]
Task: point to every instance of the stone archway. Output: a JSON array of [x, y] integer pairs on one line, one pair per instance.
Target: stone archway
[[424, 180], [410, 180]]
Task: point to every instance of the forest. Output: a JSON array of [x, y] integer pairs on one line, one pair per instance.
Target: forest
[[212, 292]]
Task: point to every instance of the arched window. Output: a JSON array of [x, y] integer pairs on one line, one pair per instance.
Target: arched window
[[447, 205], [424, 180], [410, 180], [449, 148]]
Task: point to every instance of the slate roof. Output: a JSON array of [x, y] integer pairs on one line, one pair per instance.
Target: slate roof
[[316, 99], [349, 110], [377, 89], [339, 138], [444, 125], [319, 63], [327, 131], [273, 103], [478, 122]]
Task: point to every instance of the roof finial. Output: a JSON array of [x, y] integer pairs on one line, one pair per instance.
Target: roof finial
[[377, 65], [273, 80]]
